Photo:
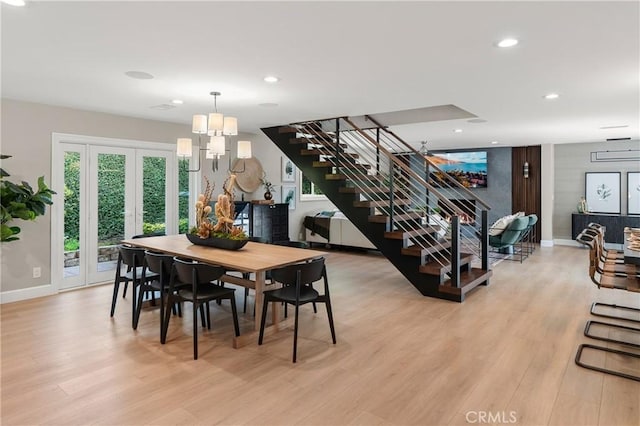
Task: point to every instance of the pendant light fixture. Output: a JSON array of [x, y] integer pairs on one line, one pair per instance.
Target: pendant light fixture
[[216, 126]]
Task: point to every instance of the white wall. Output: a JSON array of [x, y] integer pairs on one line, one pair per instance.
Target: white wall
[[571, 161]]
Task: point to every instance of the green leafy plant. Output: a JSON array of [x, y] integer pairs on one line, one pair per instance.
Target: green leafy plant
[[268, 186], [19, 201]]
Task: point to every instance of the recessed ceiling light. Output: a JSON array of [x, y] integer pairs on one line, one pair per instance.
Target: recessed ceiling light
[[477, 120], [494, 142], [177, 101], [507, 42], [271, 79], [621, 126], [14, 2], [139, 75], [551, 96], [457, 130], [162, 107]]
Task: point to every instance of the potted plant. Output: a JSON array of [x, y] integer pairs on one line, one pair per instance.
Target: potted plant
[[269, 188], [19, 201]]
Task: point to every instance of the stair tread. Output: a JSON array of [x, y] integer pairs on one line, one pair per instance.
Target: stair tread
[[328, 163], [288, 129], [434, 268], [364, 190], [382, 203], [468, 281], [318, 143], [418, 251], [366, 178], [343, 155], [382, 218], [335, 176], [399, 235]]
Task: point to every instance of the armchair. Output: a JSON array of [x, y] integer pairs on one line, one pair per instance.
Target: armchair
[[512, 234]]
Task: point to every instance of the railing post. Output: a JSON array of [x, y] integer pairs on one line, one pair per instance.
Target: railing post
[[426, 190], [391, 196], [484, 242], [378, 151], [337, 146], [455, 251]]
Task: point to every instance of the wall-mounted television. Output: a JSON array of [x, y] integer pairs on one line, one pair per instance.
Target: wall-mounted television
[[468, 168]]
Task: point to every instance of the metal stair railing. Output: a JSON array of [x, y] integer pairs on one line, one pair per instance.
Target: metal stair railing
[[397, 182]]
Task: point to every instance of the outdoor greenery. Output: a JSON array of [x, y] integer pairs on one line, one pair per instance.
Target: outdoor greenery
[[309, 188], [111, 185]]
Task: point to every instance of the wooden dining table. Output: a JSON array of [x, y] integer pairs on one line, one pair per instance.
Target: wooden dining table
[[254, 258]]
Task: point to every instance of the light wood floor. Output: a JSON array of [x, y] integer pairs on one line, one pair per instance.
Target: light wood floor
[[401, 358]]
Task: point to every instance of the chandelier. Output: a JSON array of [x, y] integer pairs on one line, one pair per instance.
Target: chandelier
[[217, 126]]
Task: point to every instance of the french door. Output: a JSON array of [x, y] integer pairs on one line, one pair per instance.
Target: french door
[[110, 192]]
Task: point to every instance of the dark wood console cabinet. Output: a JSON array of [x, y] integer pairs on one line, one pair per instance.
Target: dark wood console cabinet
[[269, 221], [615, 224]]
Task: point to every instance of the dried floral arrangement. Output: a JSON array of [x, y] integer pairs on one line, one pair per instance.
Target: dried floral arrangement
[[224, 213]]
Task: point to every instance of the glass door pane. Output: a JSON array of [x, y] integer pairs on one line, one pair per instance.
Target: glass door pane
[[111, 199], [74, 251], [154, 181], [71, 214], [155, 188]]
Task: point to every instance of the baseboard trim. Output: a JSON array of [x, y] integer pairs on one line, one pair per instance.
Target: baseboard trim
[[546, 243], [26, 293], [562, 242]]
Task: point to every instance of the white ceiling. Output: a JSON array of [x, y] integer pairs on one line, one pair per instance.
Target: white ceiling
[[339, 59]]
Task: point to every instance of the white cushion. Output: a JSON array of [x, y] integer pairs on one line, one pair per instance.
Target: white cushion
[[501, 224]]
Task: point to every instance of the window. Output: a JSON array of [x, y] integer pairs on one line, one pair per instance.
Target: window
[[309, 191]]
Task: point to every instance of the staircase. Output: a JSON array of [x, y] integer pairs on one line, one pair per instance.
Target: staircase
[[420, 218]]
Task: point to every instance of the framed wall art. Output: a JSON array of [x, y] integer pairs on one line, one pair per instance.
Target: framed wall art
[[602, 192], [289, 196], [288, 170], [633, 187]]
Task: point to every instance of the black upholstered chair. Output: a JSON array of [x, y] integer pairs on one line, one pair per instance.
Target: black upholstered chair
[[296, 290], [199, 291]]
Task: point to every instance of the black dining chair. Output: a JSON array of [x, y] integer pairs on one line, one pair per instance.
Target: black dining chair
[[133, 259], [199, 291], [119, 264], [246, 275], [296, 290], [159, 264]]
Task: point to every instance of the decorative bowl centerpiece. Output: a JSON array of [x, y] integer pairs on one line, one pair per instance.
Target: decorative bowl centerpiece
[[223, 243], [222, 234]]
